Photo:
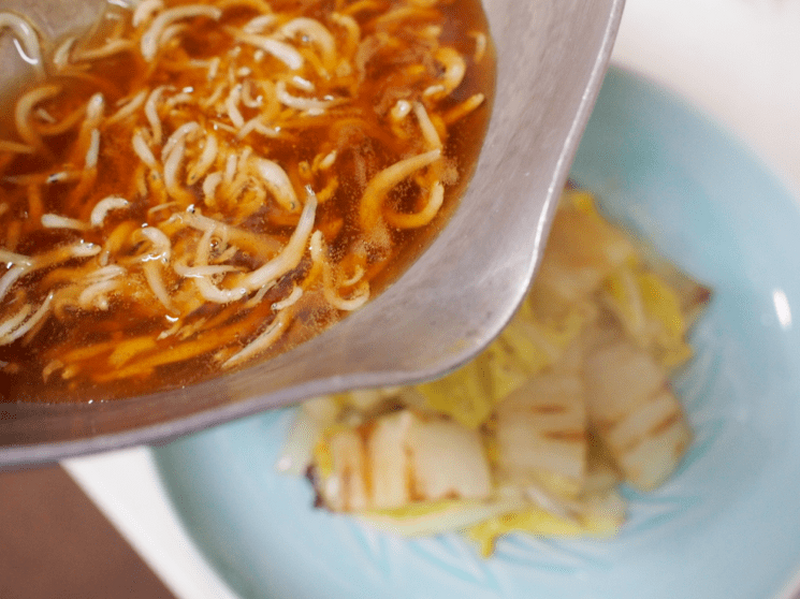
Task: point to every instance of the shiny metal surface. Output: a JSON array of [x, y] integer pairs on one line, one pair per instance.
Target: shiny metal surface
[[552, 55]]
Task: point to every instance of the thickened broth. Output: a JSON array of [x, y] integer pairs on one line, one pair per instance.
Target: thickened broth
[[191, 187]]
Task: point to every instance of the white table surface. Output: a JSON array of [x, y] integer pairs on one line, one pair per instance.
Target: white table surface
[[737, 60]]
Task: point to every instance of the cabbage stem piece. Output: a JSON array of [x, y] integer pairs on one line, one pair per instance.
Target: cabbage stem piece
[[635, 412], [398, 459], [541, 434]]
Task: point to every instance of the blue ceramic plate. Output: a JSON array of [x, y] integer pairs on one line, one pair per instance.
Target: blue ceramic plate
[[727, 526]]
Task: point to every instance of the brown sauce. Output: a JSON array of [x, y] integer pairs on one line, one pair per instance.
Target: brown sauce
[[177, 278]]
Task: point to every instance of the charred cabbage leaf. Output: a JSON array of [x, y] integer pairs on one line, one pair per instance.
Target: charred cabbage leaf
[[536, 434]]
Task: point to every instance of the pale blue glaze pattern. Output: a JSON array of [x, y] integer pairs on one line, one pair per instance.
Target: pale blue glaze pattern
[[727, 526]]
